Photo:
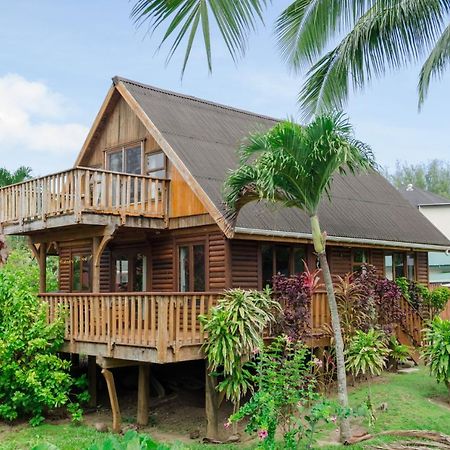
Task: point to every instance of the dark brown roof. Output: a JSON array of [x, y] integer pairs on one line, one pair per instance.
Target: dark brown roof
[[419, 197], [206, 135]]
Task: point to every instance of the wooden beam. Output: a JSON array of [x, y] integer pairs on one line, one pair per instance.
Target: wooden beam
[[43, 268], [33, 247], [117, 419], [211, 405], [98, 245], [143, 394], [92, 381], [174, 158]]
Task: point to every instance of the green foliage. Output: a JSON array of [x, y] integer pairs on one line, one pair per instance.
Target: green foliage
[[367, 353], [7, 177], [235, 327], [439, 298], [403, 284], [33, 378], [436, 351], [432, 176], [130, 441], [398, 352], [285, 398]]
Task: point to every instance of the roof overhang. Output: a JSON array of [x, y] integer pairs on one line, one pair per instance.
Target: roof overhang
[[342, 239]]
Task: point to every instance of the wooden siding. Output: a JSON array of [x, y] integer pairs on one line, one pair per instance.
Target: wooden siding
[[422, 267], [66, 252], [183, 201], [245, 264], [162, 264], [217, 266], [106, 269], [340, 260], [377, 259]]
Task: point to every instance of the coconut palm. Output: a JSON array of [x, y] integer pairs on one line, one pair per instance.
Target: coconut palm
[[294, 166], [378, 35]]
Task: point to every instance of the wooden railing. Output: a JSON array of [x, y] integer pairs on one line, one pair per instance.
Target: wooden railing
[[413, 322], [156, 320], [83, 190]]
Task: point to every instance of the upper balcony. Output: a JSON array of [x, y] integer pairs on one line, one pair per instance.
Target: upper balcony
[[84, 195]]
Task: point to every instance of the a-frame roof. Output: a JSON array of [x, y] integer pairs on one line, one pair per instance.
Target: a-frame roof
[[201, 139]]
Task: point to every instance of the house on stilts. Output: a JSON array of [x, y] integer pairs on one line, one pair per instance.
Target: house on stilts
[[140, 230]]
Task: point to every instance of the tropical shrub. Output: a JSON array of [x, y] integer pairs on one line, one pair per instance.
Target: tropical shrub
[[387, 304], [436, 351], [398, 353], [235, 328], [295, 293], [367, 353], [438, 299], [285, 398], [33, 378]]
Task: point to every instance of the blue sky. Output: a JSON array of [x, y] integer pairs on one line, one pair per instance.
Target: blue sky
[[58, 57]]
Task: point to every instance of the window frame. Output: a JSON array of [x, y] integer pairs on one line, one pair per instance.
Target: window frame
[[356, 265], [191, 244], [84, 257], [122, 149], [130, 255], [404, 256], [149, 172], [291, 264]]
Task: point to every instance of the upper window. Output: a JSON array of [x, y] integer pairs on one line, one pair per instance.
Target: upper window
[[359, 257], [125, 159], [81, 272], [281, 260], [156, 164], [398, 265]]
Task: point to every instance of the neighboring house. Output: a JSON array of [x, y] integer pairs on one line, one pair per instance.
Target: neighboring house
[[437, 210], [143, 241]]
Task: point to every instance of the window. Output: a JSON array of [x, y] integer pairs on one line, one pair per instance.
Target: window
[[359, 257], [191, 268], [281, 259], [398, 265], [156, 164], [125, 159], [81, 272], [130, 271]]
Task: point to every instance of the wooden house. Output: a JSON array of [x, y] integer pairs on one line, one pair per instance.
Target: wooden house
[[139, 227]]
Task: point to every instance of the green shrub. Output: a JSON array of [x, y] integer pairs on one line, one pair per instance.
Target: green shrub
[[285, 398], [398, 352], [438, 299], [367, 353], [436, 351], [130, 441], [33, 378]]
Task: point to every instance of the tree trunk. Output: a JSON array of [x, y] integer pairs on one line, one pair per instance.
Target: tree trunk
[[319, 246]]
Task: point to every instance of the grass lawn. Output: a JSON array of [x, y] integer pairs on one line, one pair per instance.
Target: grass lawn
[[414, 401]]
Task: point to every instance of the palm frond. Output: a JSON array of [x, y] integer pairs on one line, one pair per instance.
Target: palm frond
[[305, 27], [234, 19], [435, 65], [294, 165], [390, 35]]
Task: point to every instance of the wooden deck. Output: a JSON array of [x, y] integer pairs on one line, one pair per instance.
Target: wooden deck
[[82, 195], [163, 327]]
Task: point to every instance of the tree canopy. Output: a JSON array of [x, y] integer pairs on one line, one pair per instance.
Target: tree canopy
[[433, 176], [8, 177]]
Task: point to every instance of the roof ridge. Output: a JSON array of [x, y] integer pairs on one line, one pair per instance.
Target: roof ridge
[[117, 79]]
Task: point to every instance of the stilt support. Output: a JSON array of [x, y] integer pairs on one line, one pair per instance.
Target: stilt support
[[211, 405], [92, 381], [117, 420], [143, 394]]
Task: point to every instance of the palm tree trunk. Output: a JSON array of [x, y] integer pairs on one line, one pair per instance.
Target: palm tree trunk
[[319, 247]]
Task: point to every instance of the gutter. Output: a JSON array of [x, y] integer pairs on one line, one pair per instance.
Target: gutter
[[295, 235]]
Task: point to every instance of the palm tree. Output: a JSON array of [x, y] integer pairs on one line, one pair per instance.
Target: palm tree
[[378, 35], [294, 166], [21, 174]]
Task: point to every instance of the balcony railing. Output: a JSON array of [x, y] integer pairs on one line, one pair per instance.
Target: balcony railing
[[81, 190]]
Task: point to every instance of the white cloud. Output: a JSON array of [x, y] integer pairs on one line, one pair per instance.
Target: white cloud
[[35, 119]]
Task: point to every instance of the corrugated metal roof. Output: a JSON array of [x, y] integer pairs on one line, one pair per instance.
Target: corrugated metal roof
[[206, 135], [419, 197]]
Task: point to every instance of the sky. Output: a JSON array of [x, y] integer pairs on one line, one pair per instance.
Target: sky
[[57, 59]]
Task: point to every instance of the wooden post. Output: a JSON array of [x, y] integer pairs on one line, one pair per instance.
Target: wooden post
[[95, 264], [163, 333], [92, 380], [117, 420], [43, 267], [143, 394], [211, 405]]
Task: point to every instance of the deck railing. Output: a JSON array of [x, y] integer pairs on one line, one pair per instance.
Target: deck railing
[[83, 190], [155, 320]]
